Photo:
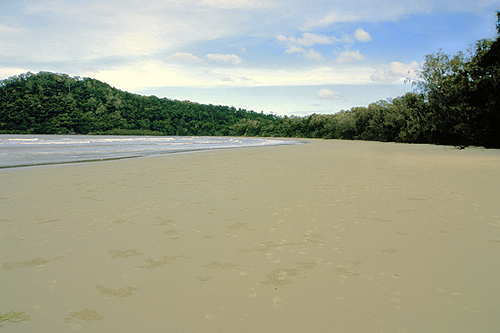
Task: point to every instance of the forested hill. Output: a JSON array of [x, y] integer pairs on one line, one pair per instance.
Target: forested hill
[[49, 103], [456, 102]]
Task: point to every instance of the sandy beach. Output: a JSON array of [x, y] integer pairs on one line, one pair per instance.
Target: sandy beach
[[327, 236]]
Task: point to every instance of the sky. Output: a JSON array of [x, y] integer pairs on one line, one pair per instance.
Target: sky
[[288, 57]]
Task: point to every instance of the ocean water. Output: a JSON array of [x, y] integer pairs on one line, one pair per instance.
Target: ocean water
[[24, 150]]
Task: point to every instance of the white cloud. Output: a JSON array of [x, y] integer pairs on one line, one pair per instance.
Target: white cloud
[[348, 56], [357, 11], [295, 49], [362, 35], [313, 55], [76, 31], [329, 94], [396, 72], [335, 17], [239, 4], [303, 45], [307, 40], [225, 58], [310, 39], [183, 57]]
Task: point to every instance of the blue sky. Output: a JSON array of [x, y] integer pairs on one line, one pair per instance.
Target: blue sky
[[283, 56]]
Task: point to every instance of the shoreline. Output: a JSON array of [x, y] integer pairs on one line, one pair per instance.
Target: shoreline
[[342, 235], [187, 151], [75, 147], [298, 140]]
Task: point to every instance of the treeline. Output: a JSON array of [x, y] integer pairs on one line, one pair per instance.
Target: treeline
[[50, 103], [456, 101]]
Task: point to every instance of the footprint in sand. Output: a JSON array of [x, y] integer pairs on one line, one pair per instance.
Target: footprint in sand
[[163, 222], [85, 314], [355, 262], [119, 221], [220, 265], [28, 263], [173, 234], [46, 220], [122, 292], [124, 254], [204, 278], [344, 272], [282, 277], [240, 225], [161, 262]]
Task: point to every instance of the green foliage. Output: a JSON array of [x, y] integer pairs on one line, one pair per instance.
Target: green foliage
[[49, 103], [462, 96]]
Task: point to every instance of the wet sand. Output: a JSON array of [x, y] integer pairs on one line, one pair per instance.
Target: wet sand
[[327, 236]]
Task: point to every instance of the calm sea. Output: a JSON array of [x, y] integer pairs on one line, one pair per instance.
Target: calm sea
[[23, 150]]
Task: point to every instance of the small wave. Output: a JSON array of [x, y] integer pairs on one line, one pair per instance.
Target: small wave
[[22, 140], [31, 150]]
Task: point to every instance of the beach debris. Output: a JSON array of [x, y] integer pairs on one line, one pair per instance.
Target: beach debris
[[28, 263], [14, 317], [85, 314], [162, 261], [122, 292]]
